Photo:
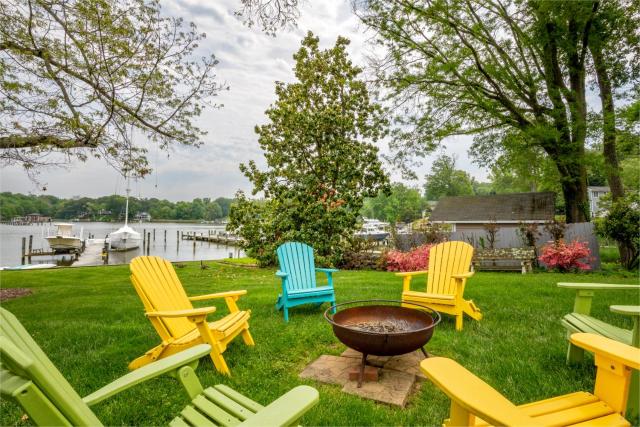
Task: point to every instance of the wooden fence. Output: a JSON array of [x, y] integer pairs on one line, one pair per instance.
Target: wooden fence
[[510, 238]]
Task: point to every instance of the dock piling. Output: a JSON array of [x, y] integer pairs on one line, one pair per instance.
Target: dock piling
[[154, 234], [148, 242], [30, 247], [24, 248]]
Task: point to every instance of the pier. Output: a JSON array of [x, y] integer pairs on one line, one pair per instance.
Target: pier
[[212, 237]]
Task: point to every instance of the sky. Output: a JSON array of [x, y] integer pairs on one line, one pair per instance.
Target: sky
[[250, 63]]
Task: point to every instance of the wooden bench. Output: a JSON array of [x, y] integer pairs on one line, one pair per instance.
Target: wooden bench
[[580, 320], [526, 256]]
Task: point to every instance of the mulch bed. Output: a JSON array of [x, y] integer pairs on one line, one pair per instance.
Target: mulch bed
[[11, 293]]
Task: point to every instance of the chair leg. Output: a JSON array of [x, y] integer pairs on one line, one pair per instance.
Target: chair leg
[[575, 355], [218, 361], [286, 313], [333, 304], [459, 319], [246, 336]]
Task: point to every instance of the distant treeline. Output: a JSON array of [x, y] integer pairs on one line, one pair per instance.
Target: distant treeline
[[111, 208]]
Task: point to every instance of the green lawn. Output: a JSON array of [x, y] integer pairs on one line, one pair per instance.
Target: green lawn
[[91, 324]]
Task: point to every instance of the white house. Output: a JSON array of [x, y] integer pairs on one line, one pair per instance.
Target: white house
[[595, 193]]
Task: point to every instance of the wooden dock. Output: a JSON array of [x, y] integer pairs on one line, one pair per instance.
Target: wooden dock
[[212, 237], [92, 254]]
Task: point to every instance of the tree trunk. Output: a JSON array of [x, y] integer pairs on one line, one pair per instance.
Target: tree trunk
[[612, 167], [608, 124]]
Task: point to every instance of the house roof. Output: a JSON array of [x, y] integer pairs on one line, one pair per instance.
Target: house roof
[[512, 207]]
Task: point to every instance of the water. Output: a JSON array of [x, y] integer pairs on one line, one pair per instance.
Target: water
[[173, 250]]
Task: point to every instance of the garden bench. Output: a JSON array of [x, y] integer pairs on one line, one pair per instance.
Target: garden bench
[[526, 256], [581, 321]]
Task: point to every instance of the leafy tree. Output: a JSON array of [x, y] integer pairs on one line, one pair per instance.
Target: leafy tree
[[321, 161], [490, 69], [77, 76], [225, 205], [403, 204], [446, 180]]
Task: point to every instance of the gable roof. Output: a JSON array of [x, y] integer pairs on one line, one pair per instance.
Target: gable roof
[[512, 207]]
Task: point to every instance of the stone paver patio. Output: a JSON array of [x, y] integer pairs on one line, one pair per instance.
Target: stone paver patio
[[397, 375]]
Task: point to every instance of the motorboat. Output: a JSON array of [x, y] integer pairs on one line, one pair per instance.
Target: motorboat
[[373, 230], [125, 238], [64, 241]]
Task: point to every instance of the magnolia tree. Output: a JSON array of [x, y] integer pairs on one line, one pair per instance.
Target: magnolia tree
[[77, 76], [320, 155]]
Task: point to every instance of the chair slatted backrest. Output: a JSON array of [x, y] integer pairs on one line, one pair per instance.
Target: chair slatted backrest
[[446, 259], [159, 288], [296, 259], [22, 356]]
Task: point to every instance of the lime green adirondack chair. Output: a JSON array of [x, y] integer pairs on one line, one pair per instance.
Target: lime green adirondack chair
[[28, 377]]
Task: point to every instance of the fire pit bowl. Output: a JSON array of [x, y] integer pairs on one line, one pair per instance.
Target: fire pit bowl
[[382, 327]]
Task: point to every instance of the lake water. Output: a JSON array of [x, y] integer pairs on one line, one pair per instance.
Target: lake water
[[171, 249]]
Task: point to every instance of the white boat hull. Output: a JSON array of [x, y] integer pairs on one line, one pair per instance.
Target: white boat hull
[[64, 244], [124, 239]]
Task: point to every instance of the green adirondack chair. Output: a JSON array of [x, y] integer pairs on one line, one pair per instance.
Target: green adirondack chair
[[580, 320], [28, 377]]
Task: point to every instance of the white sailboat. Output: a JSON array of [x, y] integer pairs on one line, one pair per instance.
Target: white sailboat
[[125, 238]]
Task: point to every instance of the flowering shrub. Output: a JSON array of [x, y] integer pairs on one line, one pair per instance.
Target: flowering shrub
[[414, 260], [566, 256]]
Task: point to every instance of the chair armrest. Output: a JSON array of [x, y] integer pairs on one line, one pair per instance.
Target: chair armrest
[[471, 394], [281, 274], [327, 270], [287, 409], [614, 350], [627, 310], [407, 276], [463, 275], [411, 273], [597, 286], [148, 372], [218, 295], [182, 313]]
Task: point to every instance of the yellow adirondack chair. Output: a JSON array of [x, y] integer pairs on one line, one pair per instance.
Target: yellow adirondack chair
[[475, 403], [179, 325], [449, 269]]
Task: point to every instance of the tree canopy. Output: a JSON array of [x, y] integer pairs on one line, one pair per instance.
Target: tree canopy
[[498, 70], [403, 204], [320, 155], [78, 77], [445, 180]]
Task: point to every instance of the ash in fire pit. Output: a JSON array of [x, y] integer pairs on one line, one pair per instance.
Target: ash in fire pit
[[383, 326]]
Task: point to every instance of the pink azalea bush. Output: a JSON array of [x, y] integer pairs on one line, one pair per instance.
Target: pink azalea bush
[[566, 256], [414, 260]]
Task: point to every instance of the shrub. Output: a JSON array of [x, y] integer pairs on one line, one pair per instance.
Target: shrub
[[566, 257], [622, 223], [414, 260]]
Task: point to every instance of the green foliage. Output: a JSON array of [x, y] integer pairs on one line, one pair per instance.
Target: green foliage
[[446, 180], [622, 224], [321, 161], [109, 208], [403, 204], [77, 76]]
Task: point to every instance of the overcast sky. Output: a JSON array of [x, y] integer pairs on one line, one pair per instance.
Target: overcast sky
[[250, 63]]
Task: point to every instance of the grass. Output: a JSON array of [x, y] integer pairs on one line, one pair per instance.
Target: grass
[[91, 324]]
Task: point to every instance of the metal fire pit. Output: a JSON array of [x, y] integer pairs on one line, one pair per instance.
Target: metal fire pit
[[382, 327]]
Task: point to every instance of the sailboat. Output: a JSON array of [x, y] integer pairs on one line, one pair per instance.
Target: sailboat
[[125, 238]]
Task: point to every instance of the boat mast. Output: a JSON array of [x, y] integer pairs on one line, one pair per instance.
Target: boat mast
[[126, 206]]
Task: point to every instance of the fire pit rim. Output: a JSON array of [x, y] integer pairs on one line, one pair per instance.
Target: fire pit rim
[[431, 311]]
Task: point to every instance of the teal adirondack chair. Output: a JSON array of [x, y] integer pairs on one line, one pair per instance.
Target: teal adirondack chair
[[28, 377], [298, 274]]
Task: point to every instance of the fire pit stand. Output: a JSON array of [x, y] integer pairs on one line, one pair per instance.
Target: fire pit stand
[[382, 327]]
